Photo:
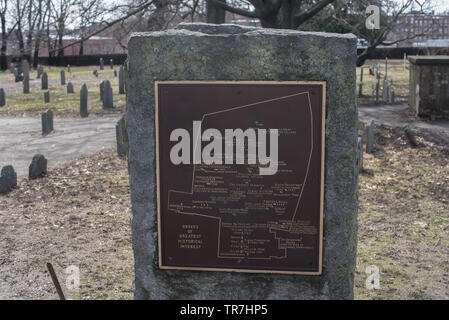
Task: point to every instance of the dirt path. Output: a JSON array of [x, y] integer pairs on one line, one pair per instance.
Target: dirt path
[[399, 115], [21, 139]]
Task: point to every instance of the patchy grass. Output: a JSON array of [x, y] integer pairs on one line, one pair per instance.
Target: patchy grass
[[61, 103], [78, 214], [396, 73], [404, 219]]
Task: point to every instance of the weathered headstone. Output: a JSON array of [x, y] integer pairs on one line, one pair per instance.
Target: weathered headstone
[[361, 82], [70, 88], [115, 73], [377, 90], [392, 96], [62, 77], [47, 122], [68, 68], [235, 53], [47, 96], [38, 167], [95, 73], [8, 179], [44, 81], [360, 154], [2, 97], [101, 64], [385, 91], [121, 81], [83, 101], [119, 130], [370, 137], [26, 68], [26, 83], [111, 63], [107, 95]]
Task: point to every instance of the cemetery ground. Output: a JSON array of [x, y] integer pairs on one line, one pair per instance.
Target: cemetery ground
[[78, 213]]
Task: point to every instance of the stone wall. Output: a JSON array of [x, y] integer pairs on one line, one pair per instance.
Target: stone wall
[[229, 52]]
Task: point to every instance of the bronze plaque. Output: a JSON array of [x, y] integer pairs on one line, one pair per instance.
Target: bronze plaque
[[240, 175]]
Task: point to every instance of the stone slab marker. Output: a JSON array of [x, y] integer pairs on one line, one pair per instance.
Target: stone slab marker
[[2, 97], [26, 83], [8, 179], [228, 53], [70, 88], [83, 101], [370, 137], [47, 122], [62, 77], [44, 81], [101, 64], [107, 97], [111, 63], [38, 167], [121, 81], [47, 96]]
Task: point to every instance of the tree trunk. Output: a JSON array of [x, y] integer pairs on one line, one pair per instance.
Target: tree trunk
[[3, 57], [81, 51], [215, 14]]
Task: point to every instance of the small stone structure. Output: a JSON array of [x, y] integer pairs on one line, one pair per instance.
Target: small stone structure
[[47, 96], [107, 95], [70, 88], [47, 122], [83, 101], [38, 167], [8, 179], [429, 86], [229, 53], [2, 97], [121, 81], [44, 81], [62, 77]]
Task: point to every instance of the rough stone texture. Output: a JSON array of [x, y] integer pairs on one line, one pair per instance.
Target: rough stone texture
[[121, 81], [83, 101], [38, 167], [241, 53], [429, 86], [8, 179], [120, 132], [70, 88], [2, 97], [44, 81]]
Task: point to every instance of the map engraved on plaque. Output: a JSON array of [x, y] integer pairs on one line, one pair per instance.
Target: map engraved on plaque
[[228, 216]]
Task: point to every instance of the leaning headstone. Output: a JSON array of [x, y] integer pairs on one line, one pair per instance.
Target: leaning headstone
[[2, 97], [44, 81], [47, 96], [47, 122], [107, 95], [70, 88], [111, 63], [8, 179], [26, 83], [38, 167], [101, 64], [121, 81], [238, 53], [370, 137], [62, 77], [360, 154], [119, 128], [83, 101]]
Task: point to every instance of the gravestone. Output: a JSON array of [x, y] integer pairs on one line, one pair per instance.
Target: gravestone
[[121, 81], [392, 96], [62, 77], [40, 69], [101, 64], [115, 73], [44, 81], [361, 83], [119, 129], [38, 167], [370, 137], [70, 88], [26, 68], [377, 90], [385, 91], [360, 154], [111, 63], [107, 95], [47, 96], [372, 93], [47, 122], [68, 68], [95, 73], [26, 83], [2, 97], [18, 76], [83, 101], [235, 53], [8, 179]]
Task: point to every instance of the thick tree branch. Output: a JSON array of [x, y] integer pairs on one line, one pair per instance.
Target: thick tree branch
[[245, 13], [301, 18]]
